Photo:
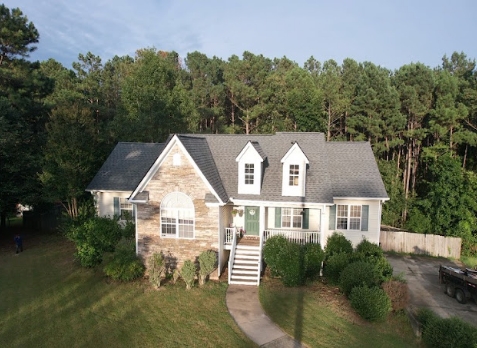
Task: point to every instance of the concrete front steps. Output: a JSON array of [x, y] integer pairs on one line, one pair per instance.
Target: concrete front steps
[[246, 265]]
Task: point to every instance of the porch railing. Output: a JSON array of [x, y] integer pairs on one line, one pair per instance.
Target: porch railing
[[229, 235], [296, 236], [232, 252]]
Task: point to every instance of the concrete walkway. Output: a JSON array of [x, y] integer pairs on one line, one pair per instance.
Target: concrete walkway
[[244, 306]]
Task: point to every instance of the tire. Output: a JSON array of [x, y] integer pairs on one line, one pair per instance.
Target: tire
[[450, 290], [460, 296]]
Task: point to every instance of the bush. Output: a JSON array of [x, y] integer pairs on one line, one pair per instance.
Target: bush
[[157, 269], [188, 272], [334, 265], [367, 248], [337, 243], [358, 273], [272, 250], [207, 262], [314, 256], [398, 292], [450, 332], [371, 303], [125, 265], [291, 265], [92, 238]]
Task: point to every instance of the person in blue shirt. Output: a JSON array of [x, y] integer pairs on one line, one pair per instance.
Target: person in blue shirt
[[19, 243]]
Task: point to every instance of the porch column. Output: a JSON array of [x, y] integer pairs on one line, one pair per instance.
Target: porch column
[[262, 221], [322, 226]]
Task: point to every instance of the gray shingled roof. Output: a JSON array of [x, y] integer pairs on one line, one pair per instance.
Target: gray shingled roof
[[336, 169], [125, 167]]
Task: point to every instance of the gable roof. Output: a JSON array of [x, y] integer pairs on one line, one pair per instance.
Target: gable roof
[[336, 169], [125, 167]]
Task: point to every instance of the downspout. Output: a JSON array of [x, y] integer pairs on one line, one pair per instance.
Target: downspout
[[135, 228]]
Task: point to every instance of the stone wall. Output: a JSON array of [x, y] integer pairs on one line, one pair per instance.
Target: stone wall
[[182, 178]]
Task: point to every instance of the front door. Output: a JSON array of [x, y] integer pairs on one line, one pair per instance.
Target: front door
[[252, 221]]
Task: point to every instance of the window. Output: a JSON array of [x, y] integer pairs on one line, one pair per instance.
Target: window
[[348, 217], [292, 218], [123, 209], [294, 175], [177, 216], [249, 173]]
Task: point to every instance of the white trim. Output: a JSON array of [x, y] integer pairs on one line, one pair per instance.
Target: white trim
[[291, 150], [157, 164], [362, 198], [272, 204], [108, 191], [135, 230]]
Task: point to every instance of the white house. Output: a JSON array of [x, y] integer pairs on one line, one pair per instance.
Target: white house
[[203, 192]]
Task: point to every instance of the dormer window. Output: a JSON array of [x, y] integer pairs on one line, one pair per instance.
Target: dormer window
[[249, 173], [294, 175], [294, 172], [250, 168]]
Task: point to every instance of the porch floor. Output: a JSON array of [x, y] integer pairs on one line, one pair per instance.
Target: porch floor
[[249, 241]]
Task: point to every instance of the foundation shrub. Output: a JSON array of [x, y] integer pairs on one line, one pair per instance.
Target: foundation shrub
[[334, 265], [314, 256], [207, 264], [358, 273], [291, 265], [157, 269], [373, 254], [272, 250], [371, 303], [337, 243], [446, 332], [188, 272], [125, 265]]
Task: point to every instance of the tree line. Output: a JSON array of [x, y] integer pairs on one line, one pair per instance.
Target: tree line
[[57, 125]]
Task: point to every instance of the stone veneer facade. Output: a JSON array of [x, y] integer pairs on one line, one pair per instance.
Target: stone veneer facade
[[185, 179]]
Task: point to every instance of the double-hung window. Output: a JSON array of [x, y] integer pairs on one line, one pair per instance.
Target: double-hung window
[[249, 173], [177, 216], [123, 209], [294, 176], [348, 217], [292, 218]]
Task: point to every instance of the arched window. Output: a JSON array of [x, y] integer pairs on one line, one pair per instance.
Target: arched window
[[177, 216]]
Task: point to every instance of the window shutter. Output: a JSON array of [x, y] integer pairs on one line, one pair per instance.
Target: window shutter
[[364, 217], [332, 217], [306, 218], [116, 207], [278, 217]]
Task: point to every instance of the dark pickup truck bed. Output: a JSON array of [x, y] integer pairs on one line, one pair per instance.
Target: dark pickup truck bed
[[459, 283]]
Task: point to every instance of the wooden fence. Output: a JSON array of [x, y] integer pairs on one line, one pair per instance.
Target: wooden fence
[[416, 243]]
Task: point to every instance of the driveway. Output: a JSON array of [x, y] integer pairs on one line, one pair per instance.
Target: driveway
[[422, 276]]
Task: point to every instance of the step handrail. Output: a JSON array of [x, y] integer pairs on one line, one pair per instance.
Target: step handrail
[[232, 254]]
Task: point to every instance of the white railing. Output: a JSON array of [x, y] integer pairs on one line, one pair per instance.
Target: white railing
[[229, 232], [296, 236], [260, 251], [232, 252]]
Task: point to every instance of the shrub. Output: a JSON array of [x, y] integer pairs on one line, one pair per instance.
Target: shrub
[[125, 265], [272, 250], [157, 269], [314, 256], [337, 243], [188, 272], [358, 273], [291, 265], [92, 238], [367, 248], [371, 303], [175, 276], [398, 293], [334, 265], [207, 262], [449, 332]]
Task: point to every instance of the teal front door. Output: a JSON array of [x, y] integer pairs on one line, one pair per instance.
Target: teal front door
[[252, 221]]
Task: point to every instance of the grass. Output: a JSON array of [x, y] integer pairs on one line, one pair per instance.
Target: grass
[[469, 261], [320, 316], [47, 300]]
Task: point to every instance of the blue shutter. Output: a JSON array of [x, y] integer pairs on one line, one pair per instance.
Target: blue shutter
[[116, 207], [364, 217], [278, 217], [306, 218], [332, 217]]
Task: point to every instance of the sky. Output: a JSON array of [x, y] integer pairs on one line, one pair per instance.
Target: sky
[[387, 33]]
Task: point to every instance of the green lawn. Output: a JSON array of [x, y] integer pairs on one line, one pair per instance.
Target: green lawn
[[320, 316], [47, 300]]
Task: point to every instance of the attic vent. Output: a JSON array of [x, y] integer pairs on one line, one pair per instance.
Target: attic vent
[[176, 159]]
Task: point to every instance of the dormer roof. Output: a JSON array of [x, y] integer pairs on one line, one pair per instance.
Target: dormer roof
[[254, 146]]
